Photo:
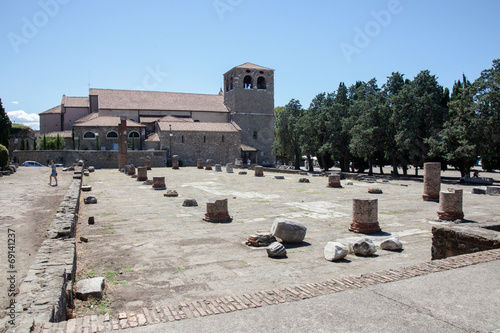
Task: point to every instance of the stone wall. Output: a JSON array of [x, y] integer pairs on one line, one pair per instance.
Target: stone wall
[[96, 158], [448, 241], [46, 292]]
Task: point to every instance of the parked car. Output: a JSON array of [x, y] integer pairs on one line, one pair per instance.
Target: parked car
[[32, 164]]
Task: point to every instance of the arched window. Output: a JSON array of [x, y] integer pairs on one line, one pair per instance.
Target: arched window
[[112, 135], [89, 135], [133, 134], [247, 82], [261, 83]]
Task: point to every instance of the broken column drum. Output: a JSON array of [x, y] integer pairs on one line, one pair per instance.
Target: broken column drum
[[334, 181], [259, 171], [199, 163], [217, 212], [142, 173], [175, 162], [364, 216], [159, 183], [229, 167], [432, 181], [208, 165], [218, 167], [450, 204], [147, 163], [130, 170]]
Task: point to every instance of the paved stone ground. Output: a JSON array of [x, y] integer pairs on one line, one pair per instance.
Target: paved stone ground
[[27, 206], [156, 253]]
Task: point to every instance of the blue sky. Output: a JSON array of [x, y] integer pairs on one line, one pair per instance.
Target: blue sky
[[55, 47]]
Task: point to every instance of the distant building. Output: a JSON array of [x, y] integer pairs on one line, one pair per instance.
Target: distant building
[[236, 123]]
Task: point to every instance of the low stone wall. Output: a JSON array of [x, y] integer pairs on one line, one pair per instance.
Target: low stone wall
[[46, 292], [449, 241], [96, 158]]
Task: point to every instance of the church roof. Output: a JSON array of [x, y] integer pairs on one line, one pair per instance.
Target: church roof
[[86, 118], [158, 100], [76, 102], [54, 110], [198, 127], [253, 66], [106, 122]]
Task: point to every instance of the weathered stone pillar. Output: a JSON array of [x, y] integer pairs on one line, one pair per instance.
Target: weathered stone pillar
[[259, 171], [229, 168], [142, 174], [147, 163], [217, 212], [130, 170], [432, 181], [450, 204], [175, 162], [122, 143], [334, 181], [159, 183], [199, 163], [364, 216], [218, 167], [208, 165]]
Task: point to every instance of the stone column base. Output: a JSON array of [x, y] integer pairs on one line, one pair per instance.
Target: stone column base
[[428, 197], [450, 216], [217, 217], [337, 185], [365, 228]]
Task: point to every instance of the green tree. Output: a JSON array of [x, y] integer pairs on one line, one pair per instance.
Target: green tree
[[368, 125], [487, 98], [287, 138], [58, 142], [21, 144], [133, 143], [73, 138], [34, 143], [459, 140], [5, 126], [43, 143], [4, 157]]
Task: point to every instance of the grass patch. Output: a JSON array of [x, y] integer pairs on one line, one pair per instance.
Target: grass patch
[[98, 306], [301, 190]]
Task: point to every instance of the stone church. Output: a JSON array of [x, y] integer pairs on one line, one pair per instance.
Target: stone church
[[238, 122]]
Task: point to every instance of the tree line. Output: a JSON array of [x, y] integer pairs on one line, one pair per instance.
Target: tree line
[[403, 123]]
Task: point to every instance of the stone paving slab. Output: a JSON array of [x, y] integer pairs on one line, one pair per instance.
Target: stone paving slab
[[209, 307]]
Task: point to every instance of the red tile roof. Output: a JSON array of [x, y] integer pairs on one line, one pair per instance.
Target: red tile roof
[[198, 127], [158, 100], [106, 122]]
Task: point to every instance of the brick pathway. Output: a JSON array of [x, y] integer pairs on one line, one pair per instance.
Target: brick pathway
[[225, 304]]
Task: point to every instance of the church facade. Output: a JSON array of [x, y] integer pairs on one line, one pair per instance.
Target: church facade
[[238, 122]]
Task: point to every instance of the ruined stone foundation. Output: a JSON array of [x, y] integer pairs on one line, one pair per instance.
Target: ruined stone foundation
[[217, 212], [364, 216]]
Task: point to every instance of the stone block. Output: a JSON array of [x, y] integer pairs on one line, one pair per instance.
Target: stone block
[[375, 190], [91, 169], [159, 183], [190, 203], [90, 200], [392, 244], [303, 180], [288, 231], [171, 193], [276, 250], [279, 177], [432, 181], [199, 163], [218, 168], [364, 247], [242, 173], [229, 167], [86, 188], [86, 288], [495, 190], [334, 251], [175, 162], [334, 181], [479, 190], [260, 239]]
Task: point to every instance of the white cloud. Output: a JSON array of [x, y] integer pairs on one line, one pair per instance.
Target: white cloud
[[23, 115], [15, 102]]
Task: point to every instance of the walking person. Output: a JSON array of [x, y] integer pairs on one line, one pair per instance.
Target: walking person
[[53, 173]]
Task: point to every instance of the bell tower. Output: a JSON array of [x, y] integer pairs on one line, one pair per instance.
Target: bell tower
[[249, 96]]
